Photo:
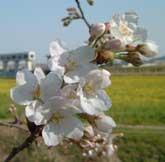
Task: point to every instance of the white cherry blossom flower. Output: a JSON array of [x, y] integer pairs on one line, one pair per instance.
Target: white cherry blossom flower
[[93, 99], [33, 113], [74, 64], [56, 51], [61, 122], [122, 31], [69, 92], [35, 86]]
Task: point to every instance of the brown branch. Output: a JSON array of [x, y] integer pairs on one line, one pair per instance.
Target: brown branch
[[7, 124], [82, 14], [29, 140]]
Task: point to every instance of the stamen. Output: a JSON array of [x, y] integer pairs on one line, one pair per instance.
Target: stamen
[[57, 117]]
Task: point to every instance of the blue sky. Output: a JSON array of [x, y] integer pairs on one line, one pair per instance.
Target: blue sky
[[32, 24]]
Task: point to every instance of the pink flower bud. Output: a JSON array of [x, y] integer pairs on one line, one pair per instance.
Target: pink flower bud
[[148, 49], [107, 26], [97, 30], [113, 45]]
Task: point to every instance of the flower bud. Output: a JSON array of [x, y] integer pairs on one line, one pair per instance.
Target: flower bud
[[113, 45], [90, 2], [148, 49], [89, 132], [105, 123], [130, 48], [97, 30], [107, 26], [104, 56], [133, 58]]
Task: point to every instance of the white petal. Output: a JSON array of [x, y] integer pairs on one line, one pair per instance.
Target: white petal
[[23, 95], [60, 104], [56, 49], [105, 98], [90, 131], [30, 111], [82, 55], [50, 85], [55, 67], [110, 150], [105, 123], [38, 72], [92, 106], [72, 128], [100, 78], [25, 76], [51, 135], [75, 75], [36, 113], [69, 91], [20, 78], [78, 64]]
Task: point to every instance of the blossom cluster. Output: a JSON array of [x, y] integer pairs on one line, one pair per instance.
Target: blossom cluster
[[72, 92], [69, 103], [120, 39]]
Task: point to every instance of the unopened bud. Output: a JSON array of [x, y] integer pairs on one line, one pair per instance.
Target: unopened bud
[[148, 49], [113, 45], [66, 23], [97, 30], [89, 131], [90, 2], [130, 48], [107, 26], [104, 57], [133, 58]]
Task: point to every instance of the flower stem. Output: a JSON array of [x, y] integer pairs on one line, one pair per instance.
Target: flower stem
[[29, 140], [11, 125], [82, 14]]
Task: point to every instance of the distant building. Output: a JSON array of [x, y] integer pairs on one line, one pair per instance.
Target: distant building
[[11, 63]]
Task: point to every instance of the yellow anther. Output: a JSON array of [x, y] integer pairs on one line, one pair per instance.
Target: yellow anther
[[88, 88], [57, 117], [72, 95], [71, 65], [37, 92], [124, 29]]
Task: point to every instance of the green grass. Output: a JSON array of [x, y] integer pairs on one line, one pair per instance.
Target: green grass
[[140, 145], [137, 145], [5, 101], [138, 99]]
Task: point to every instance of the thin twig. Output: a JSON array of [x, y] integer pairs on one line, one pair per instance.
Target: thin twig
[[29, 140], [82, 14], [6, 124]]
